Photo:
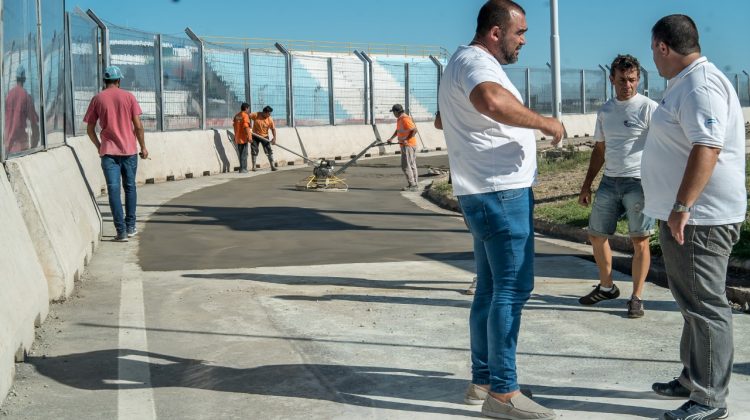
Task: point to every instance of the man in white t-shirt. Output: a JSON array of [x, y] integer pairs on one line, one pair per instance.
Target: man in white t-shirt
[[694, 181], [492, 154], [620, 134]]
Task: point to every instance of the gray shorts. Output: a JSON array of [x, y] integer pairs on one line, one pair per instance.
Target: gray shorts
[[615, 198]]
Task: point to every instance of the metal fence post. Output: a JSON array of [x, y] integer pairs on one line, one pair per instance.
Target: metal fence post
[[583, 91], [612, 93], [248, 79], [68, 66], [366, 83], [40, 69], [372, 86], [528, 86], [737, 83], [201, 49], [645, 83], [439, 66], [406, 88], [331, 96], [159, 84], [289, 86], [748, 85], [105, 61], [604, 70]]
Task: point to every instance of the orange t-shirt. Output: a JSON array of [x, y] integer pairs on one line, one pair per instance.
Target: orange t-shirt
[[404, 125], [241, 122], [261, 125]]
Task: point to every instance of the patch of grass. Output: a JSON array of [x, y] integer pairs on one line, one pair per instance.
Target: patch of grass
[[443, 188], [569, 212], [554, 161]]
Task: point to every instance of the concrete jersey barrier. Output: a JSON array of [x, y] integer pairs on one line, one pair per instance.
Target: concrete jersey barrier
[[23, 287], [59, 212]]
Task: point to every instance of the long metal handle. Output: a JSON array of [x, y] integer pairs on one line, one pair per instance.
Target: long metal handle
[[259, 137], [377, 142]]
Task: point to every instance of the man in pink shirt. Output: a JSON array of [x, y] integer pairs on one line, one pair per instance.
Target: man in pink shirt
[[118, 114], [20, 108]]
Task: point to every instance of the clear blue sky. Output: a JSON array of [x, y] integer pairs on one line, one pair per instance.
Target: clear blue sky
[[591, 31]]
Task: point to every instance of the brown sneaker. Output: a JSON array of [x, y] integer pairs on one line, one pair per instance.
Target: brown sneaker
[[635, 307], [473, 288], [520, 407]]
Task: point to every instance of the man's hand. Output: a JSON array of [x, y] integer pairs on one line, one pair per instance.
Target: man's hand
[[555, 129], [676, 223], [144, 153], [584, 198], [273, 142]]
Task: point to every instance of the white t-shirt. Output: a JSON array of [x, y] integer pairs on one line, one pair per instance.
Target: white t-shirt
[[485, 156], [700, 107], [623, 126]]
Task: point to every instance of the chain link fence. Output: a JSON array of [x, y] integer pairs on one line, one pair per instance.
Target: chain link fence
[[225, 85], [83, 38], [349, 90], [181, 98], [268, 85], [311, 90]]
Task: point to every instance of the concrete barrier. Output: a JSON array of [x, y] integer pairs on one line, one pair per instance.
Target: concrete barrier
[[579, 125], [429, 137], [59, 212], [332, 141], [23, 288]]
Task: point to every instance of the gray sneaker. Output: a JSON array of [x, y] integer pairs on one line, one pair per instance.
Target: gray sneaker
[[121, 237], [520, 407], [475, 394], [473, 288]]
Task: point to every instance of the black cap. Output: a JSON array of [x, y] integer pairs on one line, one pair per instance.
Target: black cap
[[397, 108]]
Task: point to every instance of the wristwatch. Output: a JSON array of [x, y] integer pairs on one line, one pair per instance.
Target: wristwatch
[[678, 207]]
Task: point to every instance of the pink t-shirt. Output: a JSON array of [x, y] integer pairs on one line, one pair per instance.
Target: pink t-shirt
[[19, 108], [114, 108]]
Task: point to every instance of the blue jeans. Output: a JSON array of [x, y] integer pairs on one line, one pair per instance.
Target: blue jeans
[[116, 168], [617, 196], [503, 230]]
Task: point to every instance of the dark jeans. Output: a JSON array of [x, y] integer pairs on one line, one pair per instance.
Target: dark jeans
[[502, 226], [123, 168], [242, 151], [697, 273], [266, 147]]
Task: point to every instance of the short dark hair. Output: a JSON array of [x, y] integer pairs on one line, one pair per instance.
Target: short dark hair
[[245, 106], [108, 82], [496, 13], [678, 32], [625, 62], [267, 109]]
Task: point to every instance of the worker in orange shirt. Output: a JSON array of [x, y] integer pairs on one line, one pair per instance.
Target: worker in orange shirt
[[242, 135], [262, 122], [406, 133]]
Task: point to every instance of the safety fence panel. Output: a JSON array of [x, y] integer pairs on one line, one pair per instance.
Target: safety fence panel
[[311, 90], [225, 85], [744, 92], [134, 53], [541, 91], [389, 88], [656, 85], [268, 84], [570, 81], [84, 67], [53, 71], [182, 96], [349, 90], [595, 88], [517, 76], [423, 79], [20, 76]]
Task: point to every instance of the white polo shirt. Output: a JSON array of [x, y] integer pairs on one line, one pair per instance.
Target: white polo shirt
[[700, 107], [485, 156], [623, 126]]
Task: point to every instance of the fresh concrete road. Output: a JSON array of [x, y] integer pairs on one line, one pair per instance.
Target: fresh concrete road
[[243, 298]]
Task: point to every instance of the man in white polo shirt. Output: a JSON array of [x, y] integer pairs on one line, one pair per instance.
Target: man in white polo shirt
[[620, 134], [694, 181], [492, 154]]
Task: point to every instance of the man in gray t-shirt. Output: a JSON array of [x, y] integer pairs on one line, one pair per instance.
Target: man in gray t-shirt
[[621, 127]]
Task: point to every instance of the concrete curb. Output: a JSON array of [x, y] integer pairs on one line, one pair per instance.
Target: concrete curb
[[657, 273]]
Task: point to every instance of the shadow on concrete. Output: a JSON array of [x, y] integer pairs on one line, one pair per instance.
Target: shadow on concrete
[[276, 219], [364, 386], [354, 385], [221, 150], [332, 281], [570, 303]]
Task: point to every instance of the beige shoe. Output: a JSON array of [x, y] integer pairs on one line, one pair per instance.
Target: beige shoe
[[475, 395], [520, 407], [473, 288]]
